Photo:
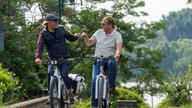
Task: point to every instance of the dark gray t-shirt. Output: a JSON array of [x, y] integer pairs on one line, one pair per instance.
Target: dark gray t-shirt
[[106, 44]]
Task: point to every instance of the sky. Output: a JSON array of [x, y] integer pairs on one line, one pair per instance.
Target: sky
[[157, 8]]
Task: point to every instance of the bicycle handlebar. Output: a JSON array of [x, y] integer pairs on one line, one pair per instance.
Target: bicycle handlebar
[[95, 58], [59, 61]]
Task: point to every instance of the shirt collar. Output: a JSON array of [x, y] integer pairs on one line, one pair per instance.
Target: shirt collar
[[111, 34]]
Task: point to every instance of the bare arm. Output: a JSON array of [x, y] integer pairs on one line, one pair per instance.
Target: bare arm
[[118, 51], [87, 41]]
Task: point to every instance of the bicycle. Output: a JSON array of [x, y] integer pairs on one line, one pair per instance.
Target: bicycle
[[101, 89], [58, 91]]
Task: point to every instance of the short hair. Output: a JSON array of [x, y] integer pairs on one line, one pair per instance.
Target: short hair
[[110, 20]]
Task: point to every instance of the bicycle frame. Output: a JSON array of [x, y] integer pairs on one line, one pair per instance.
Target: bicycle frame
[[104, 77], [57, 74], [57, 85], [98, 86]]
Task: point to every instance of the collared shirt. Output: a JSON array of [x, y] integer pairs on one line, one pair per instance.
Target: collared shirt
[[106, 44]]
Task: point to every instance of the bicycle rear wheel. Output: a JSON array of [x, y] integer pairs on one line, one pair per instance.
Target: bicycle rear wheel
[[100, 92], [54, 101]]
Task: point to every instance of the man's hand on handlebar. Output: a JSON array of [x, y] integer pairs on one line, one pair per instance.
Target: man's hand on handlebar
[[117, 57], [38, 61]]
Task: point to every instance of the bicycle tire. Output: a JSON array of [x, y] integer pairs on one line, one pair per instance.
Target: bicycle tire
[[64, 97], [54, 101], [108, 99], [100, 92]]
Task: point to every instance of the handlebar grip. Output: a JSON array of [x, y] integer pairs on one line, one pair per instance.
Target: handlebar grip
[[83, 54], [71, 59]]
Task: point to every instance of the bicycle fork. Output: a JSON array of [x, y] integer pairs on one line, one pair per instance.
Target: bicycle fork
[[104, 86], [59, 79]]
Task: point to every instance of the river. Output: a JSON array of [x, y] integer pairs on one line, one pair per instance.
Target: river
[[152, 101]]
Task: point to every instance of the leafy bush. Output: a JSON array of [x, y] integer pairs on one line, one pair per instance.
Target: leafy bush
[[124, 94], [177, 89], [9, 86]]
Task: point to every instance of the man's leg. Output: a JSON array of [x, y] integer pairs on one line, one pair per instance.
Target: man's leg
[[112, 73], [49, 74], [64, 73]]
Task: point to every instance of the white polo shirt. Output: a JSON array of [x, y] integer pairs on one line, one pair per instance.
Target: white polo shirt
[[106, 44]]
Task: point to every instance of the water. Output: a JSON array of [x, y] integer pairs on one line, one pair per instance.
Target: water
[[152, 101]]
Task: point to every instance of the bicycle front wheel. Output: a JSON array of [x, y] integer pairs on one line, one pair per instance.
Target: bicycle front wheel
[[54, 101], [100, 92], [64, 99], [107, 100]]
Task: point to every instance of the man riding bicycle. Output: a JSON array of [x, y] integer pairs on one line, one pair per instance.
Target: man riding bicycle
[[54, 38], [108, 43]]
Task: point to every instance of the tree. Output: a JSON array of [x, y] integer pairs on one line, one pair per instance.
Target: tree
[[18, 56], [178, 56], [135, 40], [189, 1], [178, 88], [20, 40], [178, 25]]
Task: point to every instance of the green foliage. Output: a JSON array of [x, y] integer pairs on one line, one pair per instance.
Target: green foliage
[[124, 94], [9, 87], [189, 1], [167, 103], [149, 75], [178, 55], [178, 25], [20, 41], [21, 59], [178, 88], [19, 46], [132, 35]]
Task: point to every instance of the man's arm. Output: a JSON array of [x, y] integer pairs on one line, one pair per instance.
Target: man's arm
[[39, 49], [69, 36], [87, 41], [40, 46], [118, 51]]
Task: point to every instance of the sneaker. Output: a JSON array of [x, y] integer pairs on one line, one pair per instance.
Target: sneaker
[[71, 101], [113, 91]]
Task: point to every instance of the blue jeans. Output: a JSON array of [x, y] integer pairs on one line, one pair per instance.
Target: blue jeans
[[64, 74], [112, 72]]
